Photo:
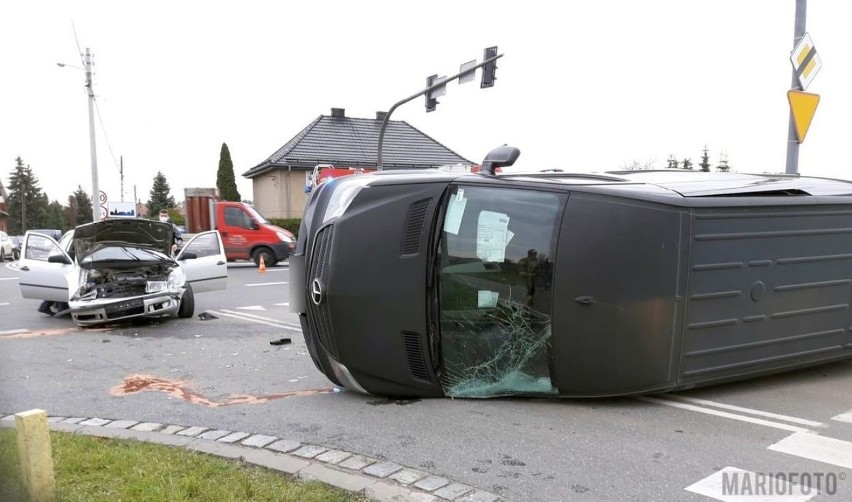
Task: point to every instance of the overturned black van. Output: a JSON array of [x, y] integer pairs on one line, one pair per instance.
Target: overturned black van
[[425, 283]]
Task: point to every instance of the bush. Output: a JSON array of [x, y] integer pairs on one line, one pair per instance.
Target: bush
[[291, 224]]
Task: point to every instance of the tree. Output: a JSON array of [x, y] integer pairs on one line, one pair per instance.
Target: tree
[[27, 205], [225, 181], [83, 206], [687, 164], [723, 166], [672, 162], [55, 216], [71, 212], [705, 161], [161, 196]]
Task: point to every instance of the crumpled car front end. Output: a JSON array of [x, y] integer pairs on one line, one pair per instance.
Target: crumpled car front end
[[125, 271], [113, 293]]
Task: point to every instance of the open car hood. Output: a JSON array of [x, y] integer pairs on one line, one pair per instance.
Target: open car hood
[[139, 233]]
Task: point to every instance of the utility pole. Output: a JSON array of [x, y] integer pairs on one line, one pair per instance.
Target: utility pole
[[792, 139], [92, 151], [121, 170]]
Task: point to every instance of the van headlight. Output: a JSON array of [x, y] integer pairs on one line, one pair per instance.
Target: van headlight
[[284, 236], [343, 195]]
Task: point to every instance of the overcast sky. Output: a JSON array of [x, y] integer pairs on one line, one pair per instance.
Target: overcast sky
[[584, 85]]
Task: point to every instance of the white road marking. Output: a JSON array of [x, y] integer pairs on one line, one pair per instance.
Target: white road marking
[[8, 278], [253, 307], [264, 284], [844, 417], [258, 319], [13, 331], [286, 304], [737, 485], [724, 414], [4, 304], [750, 411], [814, 447]]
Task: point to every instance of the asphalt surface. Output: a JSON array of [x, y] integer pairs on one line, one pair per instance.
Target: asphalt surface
[[223, 373]]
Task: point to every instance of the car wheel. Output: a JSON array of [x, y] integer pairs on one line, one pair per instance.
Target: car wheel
[[187, 303], [266, 253]]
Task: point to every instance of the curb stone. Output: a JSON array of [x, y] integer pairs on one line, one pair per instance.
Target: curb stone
[[374, 479]]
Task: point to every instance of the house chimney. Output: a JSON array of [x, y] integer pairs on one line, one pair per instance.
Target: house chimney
[[380, 116], [338, 113]]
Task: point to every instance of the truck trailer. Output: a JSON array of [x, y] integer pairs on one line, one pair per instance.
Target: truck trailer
[[432, 284]]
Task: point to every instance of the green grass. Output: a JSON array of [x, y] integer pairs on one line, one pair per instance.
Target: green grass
[[92, 469]]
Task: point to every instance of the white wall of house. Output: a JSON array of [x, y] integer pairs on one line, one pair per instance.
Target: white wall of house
[[280, 193]]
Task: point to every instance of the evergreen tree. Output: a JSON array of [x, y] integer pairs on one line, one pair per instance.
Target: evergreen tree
[[687, 164], [225, 181], [723, 166], [161, 197], [55, 216], [672, 162], [83, 206], [70, 212], [705, 161], [25, 197]]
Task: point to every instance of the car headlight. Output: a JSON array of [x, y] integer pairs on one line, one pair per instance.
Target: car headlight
[[343, 195], [176, 279], [284, 236]]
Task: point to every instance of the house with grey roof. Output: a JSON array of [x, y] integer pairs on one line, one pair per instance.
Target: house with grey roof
[[278, 183]]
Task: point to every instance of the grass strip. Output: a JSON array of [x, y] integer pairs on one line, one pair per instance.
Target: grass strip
[[94, 469]]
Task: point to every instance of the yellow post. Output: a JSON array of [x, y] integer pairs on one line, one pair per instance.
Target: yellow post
[[33, 440]]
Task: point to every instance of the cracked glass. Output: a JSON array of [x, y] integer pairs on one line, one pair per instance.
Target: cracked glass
[[494, 271]]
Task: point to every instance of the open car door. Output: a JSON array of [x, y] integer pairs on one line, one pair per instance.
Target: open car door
[[203, 261], [44, 266]]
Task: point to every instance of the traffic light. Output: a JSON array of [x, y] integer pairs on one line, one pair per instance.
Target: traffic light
[[489, 69], [431, 103]]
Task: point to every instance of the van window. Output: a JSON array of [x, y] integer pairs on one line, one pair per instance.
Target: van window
[[236, 217], [495, 271]]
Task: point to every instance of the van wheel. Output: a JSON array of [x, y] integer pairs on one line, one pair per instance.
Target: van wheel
[[187, 303], [266, 253]]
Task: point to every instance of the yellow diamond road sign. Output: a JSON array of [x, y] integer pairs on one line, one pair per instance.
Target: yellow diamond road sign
[[802, 106], [805, 61]]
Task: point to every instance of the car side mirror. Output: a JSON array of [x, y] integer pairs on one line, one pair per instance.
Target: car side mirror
[[58, 258], [188, 256]]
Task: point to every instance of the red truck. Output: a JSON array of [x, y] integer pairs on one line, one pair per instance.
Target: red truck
[[246, 234]]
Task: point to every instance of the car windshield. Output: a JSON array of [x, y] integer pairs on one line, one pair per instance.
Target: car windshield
[[495, 271], [257, 216]]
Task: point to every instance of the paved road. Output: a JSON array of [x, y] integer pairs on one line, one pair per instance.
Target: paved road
[[223, 373]]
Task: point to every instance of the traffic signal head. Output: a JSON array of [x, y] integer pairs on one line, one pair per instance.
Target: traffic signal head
[[431, 103], [489, 69]]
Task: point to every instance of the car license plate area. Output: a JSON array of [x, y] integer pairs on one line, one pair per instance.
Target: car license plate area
[[125, 308]]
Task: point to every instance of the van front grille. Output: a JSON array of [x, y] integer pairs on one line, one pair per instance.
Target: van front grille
[[319, 270]]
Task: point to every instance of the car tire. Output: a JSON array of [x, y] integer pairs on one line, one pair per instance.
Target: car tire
[[187, 303], [267, 254]]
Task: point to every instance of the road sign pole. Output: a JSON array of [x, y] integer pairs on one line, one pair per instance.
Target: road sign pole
[[792, 140]]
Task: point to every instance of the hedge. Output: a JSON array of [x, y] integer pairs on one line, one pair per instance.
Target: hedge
[[291, 224]]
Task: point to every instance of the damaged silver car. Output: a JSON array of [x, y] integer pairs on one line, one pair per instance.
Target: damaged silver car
[[120, 269]]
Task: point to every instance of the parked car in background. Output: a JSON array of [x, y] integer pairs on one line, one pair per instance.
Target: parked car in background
[[7, 249], [120, 269], [17, 241]]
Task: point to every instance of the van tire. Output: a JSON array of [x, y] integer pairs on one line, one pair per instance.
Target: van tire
[[267, 254], [187, 303]]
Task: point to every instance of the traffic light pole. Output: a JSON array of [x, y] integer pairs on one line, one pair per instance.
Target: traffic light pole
[[417, 95]]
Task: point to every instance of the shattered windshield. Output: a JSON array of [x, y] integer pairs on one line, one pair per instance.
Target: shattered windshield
[[495, 271]]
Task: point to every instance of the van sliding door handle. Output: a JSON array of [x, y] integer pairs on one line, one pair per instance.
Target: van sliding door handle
[[585, 300]]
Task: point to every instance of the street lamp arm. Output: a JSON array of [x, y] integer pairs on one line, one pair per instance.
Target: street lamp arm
[[431, 88]]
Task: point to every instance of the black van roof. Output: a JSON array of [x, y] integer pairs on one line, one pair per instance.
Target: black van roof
[[696, 184]]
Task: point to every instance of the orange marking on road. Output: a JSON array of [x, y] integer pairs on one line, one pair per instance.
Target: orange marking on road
[[179, 388], [52, 332]]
